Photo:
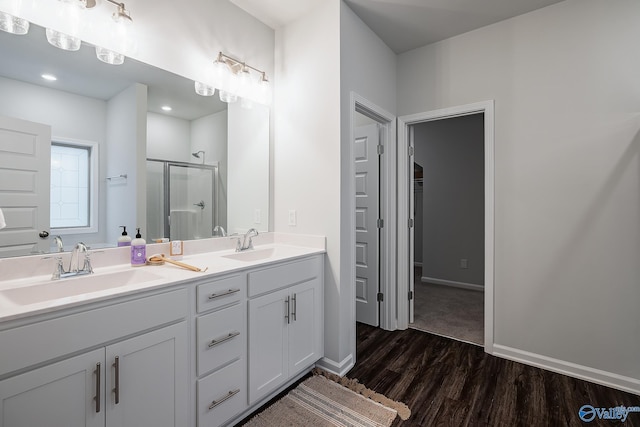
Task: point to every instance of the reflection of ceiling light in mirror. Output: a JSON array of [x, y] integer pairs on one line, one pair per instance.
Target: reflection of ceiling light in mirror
[[13, 24], [204, 90], [62, 41], [166, 108], [49, 77], [228, 96], [108, 56]]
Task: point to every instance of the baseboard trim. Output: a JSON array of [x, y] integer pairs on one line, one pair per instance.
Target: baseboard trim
[[453, 284], [338, 368], [609, 379]]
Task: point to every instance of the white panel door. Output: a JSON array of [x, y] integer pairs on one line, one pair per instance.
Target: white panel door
[[367, 163], [59, 395], [25, 171]]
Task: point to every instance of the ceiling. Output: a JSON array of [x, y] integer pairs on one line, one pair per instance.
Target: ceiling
[[404, 24]]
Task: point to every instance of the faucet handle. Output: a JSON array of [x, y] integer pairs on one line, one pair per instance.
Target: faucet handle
[[87, 263], [238, 243], [59, 270]]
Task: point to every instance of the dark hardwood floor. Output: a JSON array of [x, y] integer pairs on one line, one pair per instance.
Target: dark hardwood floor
[[451, 383]]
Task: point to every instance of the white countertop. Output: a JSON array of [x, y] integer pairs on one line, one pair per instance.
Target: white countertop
[[29, 289]]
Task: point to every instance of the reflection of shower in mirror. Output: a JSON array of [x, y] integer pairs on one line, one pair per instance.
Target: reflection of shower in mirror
[[197, 155]]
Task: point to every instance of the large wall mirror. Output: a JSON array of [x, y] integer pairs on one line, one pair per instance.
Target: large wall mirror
[[114, 156]]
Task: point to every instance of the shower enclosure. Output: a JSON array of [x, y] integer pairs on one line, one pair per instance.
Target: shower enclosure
[[182, 200]]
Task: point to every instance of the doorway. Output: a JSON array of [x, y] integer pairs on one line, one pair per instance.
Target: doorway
[[448, 201], [406, 217]]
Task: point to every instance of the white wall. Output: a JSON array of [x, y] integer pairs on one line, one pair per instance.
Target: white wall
[[368, 68], [306, 153], [126, 154], [451, 152], [248, 189], [566, 85], [209, 134], [70, 117], [168, 138]]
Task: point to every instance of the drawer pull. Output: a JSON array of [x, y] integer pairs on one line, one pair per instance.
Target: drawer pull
[[116, 389], [214, 343], [295, 307], [229, 395], [229, 292], [288, 304]]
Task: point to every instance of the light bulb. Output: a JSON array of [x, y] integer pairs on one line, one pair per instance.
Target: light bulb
[[68, 14]]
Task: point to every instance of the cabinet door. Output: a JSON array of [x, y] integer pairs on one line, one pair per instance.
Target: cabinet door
[[305, 329], [147, 382], [268, 343], [59, 395]]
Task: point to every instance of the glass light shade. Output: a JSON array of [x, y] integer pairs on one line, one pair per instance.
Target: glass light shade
[[109, 56], [221, 75], [228, 97], [204, 90], [263, 92], [245, 85], [63, 41], [13, 24]]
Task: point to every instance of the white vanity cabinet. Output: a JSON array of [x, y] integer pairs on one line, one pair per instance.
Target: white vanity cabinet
[[139, 381], [221, 349], [285, 323]]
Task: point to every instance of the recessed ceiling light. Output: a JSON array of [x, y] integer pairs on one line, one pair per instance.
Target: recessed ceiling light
[[49, 77], [166, 108]]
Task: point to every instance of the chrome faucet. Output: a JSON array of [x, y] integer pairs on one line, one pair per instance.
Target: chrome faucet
[[58, 241], [60, 272], [218, 230], [248, 235]]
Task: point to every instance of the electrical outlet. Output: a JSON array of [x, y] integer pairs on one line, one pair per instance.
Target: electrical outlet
[[292, 218], [257, 216], [464, 263]]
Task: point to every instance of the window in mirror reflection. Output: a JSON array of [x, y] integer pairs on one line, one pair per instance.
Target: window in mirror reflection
[[70, 185]]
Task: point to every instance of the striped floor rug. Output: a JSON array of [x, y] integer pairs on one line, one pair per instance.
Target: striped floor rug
[[319, 401]]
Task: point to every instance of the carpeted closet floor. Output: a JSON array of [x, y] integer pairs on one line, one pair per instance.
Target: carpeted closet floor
[[448, 311]]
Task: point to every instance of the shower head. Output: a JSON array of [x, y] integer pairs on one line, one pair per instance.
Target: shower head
[[197, 154]]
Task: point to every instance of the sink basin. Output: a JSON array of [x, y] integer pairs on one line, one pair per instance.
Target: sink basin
[[252, 255], [56, 289]]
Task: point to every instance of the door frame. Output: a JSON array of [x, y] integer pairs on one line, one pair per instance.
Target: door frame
[[388, 199], [405, 215]]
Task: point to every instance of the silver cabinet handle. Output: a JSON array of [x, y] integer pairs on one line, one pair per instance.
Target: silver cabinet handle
[[116, 389], [98, 387], [293, 312], [286, 316], [233, 334], [229, 395], [229, 292]]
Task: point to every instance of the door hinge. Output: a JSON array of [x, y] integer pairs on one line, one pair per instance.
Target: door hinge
[[380, 223], [410, 295], [380, 149], [410, 151], [380, 297], [410, 222]]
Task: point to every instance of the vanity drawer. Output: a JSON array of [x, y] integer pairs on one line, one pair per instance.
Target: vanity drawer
[[221, 337], [222, 395], [221, 292], [285, 275]]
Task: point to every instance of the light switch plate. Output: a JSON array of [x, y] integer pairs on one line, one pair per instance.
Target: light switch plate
[[292, 217], [176, 248]]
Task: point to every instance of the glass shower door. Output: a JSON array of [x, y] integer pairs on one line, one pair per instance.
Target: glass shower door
[[192, 209]]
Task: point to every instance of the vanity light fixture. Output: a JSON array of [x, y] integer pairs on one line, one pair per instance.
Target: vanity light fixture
[[69, 15], [234, 79], [120, 31], [13, 24]]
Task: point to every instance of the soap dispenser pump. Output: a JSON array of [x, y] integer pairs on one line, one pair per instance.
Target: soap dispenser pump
[[125, 239], [138, 250]]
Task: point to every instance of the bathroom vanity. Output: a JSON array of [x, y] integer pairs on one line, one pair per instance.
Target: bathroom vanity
[[161, 346]]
